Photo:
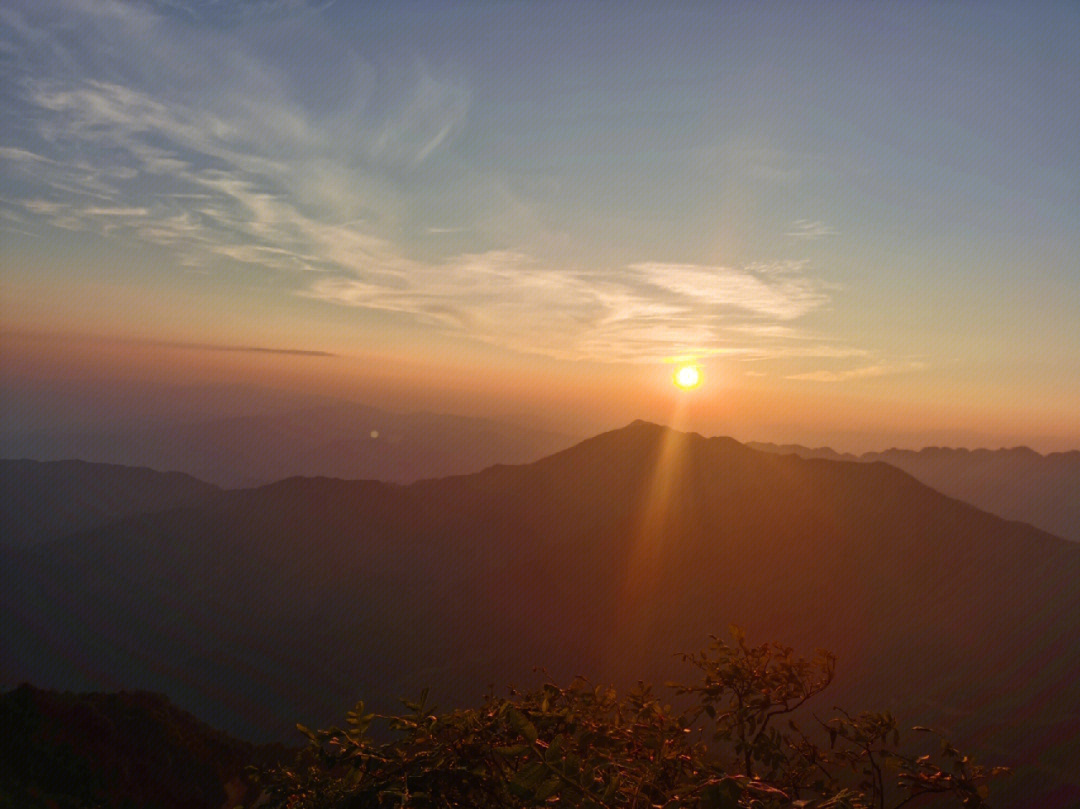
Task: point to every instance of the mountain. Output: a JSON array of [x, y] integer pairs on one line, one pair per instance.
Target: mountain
[[262, 607], [1017, 484], [39, 501], [341, 439], [822, 453], [119, 750]]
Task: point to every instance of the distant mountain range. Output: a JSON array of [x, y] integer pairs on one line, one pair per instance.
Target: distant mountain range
[[261, 607], [286, 436], [339, 439], [43, 500], [1018, 484]]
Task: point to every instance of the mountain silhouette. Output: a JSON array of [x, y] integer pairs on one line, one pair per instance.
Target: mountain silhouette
[[41, 500], [118, 750], [337, 439], [258, 608], [1017, 484]]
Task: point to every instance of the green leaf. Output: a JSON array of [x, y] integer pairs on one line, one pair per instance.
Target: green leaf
[[547, 789], [513, 750], [722, 795], [522, 725], [531, 777], [611, 789]]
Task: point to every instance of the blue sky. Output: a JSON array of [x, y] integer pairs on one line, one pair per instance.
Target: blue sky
[[820, 194]]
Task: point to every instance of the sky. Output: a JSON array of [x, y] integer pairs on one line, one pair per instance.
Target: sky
[[861, 221]]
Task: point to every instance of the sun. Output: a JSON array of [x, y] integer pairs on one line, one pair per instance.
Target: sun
[[687, 377]]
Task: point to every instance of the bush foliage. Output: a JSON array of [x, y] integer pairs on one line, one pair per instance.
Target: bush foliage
[[738, 741]]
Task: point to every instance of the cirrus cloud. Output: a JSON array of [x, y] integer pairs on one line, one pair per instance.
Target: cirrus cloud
[[644, 312], [141, 125], [864, 372], [811, 229]]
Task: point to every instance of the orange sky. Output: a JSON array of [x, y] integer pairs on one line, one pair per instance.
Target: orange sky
[[864, 233], [577, 398]]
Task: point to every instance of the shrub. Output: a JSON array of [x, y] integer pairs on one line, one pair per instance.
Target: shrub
[[735, 743]]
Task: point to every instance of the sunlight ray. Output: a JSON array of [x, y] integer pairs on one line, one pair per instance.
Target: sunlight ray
[[635, 617]]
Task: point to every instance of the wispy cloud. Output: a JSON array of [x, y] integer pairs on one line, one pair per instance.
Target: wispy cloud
[[115, 211], [434, 112], [644, 312], [21, 156], [811, 229], [168, 344], [134, 110], [296, 352], [865, 372], [779, 291], [251, 168]]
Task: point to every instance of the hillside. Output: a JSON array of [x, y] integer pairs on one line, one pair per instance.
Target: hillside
[[1017, 484], [288, 602], [42, 500], [118, 750]]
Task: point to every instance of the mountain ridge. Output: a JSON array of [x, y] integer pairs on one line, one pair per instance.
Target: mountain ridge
[[39, 499], [289, 602], [339, 439], [1017, 483]]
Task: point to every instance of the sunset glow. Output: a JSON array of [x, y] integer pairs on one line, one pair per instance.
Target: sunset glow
[[345, 200]]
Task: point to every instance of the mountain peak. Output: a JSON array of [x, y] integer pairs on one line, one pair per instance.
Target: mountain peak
[[642, 444], [641, 427], [642, 424]]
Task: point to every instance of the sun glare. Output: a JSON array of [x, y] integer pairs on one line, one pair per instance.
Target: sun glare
[[687, 377]]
